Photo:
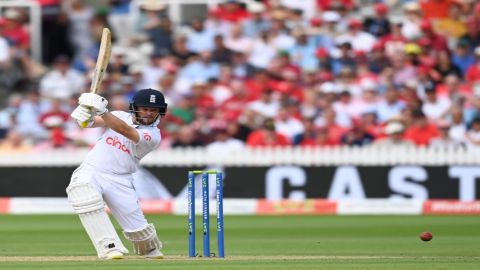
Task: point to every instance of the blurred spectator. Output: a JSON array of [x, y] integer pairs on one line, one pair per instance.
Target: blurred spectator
[[378, 25], [472, 37], [201, 69], [444, 140], [4, 46], [200, 39], [152, 72], [120, 20], [54, 121], [27, 123], [473, 71], [303, 52], [329, 120], [14, 29], [181, 51], [357, 136], [14, 143], [345, 60], [80, 16], [444, 65], [186, 136], [411, 22], [458, 128], [8, 114], [262, 52], [421, 132], [184, 109], [256, 23], [287, 125], [473, 134], [221, 54], [452, 25], [439, 42], [395, 131], [62, 81], [267, 136], [463, 57], [266, 105], [359, 39], [160, 35], [434, 107], [237, 42], [232, 11], [223, 143], [391, 106]]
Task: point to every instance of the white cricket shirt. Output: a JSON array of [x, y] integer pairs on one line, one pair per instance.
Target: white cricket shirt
[[116, 154]]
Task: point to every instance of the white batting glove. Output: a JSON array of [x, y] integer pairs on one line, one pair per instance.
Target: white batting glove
[[83, 115], [94, 101]]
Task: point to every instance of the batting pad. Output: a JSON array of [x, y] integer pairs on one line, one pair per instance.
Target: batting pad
[[145, 240], [89, 206]]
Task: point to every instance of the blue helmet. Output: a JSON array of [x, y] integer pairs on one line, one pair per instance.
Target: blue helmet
[[149, 98]]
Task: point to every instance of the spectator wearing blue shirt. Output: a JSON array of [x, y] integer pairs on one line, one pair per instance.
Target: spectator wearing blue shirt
[[200, 39]]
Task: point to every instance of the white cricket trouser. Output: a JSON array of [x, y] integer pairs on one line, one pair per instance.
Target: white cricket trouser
[[118, 193]]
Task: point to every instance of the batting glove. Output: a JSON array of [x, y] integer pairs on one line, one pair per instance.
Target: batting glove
[[94, 101], [83, 115]]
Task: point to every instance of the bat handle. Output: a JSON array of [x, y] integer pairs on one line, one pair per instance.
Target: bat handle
[[84, 124]]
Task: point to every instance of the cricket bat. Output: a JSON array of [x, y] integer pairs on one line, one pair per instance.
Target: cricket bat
[[101, 65]]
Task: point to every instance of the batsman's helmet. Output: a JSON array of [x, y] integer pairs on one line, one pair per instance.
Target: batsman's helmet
[[149, 98]]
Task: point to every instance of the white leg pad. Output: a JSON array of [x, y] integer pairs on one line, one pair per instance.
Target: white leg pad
[[88, 204], [144, 241]]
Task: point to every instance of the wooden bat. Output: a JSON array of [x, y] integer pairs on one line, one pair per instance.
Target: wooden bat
[[101, 65]]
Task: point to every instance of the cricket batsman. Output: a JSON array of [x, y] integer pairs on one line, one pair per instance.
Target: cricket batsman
[[105, 176]]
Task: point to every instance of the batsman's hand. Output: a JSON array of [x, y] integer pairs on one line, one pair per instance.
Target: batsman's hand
[[94, 101], [83, 115]]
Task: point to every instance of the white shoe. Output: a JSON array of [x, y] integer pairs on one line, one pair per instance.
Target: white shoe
[[154, 254], [113, 255]]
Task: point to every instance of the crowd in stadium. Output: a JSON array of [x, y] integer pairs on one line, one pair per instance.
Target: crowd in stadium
[[253, 73]]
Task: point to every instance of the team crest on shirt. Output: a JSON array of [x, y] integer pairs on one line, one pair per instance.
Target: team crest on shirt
[[152, 99], [147, 137]]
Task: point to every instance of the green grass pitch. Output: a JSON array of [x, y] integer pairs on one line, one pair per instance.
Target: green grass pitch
[[257, 242]]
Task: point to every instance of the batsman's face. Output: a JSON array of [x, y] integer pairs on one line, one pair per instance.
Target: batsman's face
[[147, 115]]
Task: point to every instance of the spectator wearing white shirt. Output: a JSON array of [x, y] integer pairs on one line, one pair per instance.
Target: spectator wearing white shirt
[[435, 107], [152, 73], [238, 42], [458, 128], [223, 143], [265, 106], [4, 50], [262, 52], [62, 82], [360, 40], [289, 126]]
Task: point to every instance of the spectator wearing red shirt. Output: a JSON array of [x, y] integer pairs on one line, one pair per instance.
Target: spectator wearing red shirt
[[438, 42], [266, 136], [473, 72], [421, 132], [54, 121], [14, 30], [435, 9], [233, 106], [232, 11], [329, 121]]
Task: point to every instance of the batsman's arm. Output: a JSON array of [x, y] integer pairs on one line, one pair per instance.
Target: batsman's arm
[[111, 121]]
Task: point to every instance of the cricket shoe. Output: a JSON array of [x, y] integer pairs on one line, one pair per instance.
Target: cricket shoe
[[113, 255], [154, 254]]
